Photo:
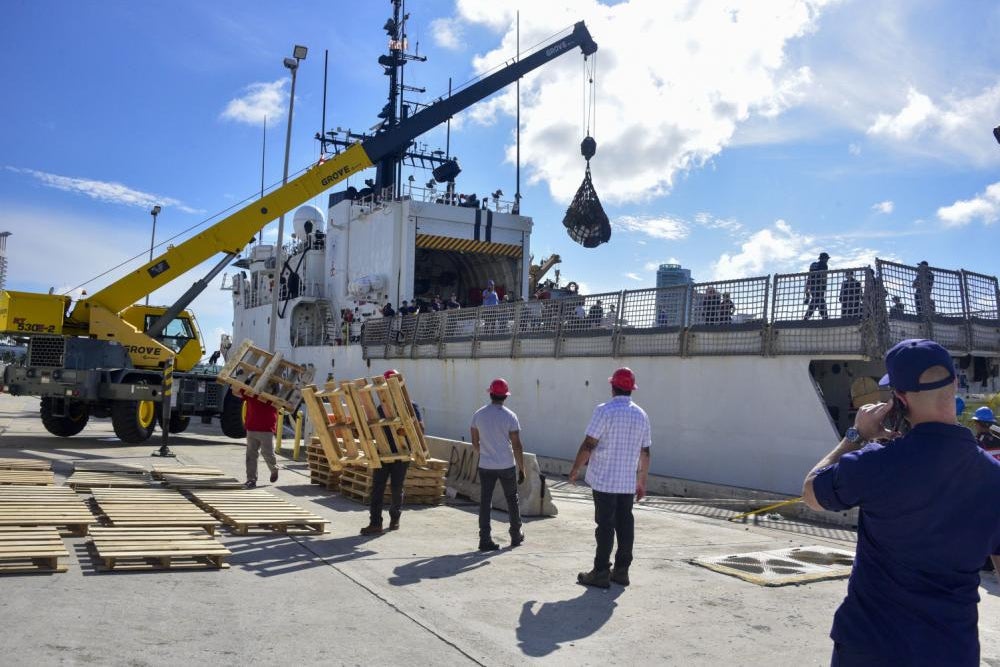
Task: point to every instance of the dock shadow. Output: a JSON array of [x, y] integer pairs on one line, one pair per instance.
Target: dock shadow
[[275, 554], [440, 567], [543, 631]]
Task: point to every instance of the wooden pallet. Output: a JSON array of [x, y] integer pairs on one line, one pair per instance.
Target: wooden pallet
[[157, 548], [109, 466], [201, 482], [256, 508], [423, 486], [152, 508], [31, 549], [266, 376], [27, 477], [85, 481], [55, 506], [205, 471], [350, 431], [25, 464]]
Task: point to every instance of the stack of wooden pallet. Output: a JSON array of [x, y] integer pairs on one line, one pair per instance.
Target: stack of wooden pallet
[[319, 467], [264, 375], [194, 477], [424, 485]]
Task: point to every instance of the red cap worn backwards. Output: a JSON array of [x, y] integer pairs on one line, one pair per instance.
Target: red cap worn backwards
[[907, 360], [389, 373]]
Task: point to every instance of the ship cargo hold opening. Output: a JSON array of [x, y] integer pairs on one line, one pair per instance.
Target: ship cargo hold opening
[[445, 267]]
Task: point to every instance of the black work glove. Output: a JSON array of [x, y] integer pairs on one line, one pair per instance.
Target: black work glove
[[520, 477]]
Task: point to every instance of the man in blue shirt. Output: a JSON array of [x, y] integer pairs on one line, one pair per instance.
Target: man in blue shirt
[[929, 515]]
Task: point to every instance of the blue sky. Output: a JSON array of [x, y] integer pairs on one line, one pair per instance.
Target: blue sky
[[735, 138]]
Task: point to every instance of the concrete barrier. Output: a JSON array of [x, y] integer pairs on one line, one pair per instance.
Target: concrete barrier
[[463, 476]]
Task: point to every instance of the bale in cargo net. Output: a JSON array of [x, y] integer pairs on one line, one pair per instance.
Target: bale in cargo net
[[585, 221]]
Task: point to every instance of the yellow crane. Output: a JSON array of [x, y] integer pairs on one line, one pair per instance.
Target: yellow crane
[[106, 356]]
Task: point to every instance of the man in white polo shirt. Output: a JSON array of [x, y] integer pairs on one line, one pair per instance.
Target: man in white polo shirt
[[617, 448], [496, 438]]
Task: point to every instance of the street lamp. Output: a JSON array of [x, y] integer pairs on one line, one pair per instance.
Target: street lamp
[[152, 239], [298, 54]]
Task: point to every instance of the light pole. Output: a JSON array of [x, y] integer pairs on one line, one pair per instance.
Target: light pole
[[152, 239], [298, 54]]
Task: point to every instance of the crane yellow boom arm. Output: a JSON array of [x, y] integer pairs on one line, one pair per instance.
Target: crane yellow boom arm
[[228, 235]]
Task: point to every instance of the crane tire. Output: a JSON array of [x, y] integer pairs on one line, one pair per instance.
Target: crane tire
[[231, 419], [67, 425], [132, 421]]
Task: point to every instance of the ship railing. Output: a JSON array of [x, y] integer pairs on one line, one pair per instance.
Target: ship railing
[[825, 312], [306, 288], [866, 312]]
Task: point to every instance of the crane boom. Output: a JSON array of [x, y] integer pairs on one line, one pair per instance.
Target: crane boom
[[231, 234]]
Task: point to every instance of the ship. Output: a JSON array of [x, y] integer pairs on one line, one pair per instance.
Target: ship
[[747, 382]]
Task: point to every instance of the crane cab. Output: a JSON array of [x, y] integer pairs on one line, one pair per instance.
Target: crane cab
[[181, 335]]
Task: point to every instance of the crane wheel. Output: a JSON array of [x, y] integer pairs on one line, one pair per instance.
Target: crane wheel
[[232, 417], [76, 417], [178, 423], [133, 421]]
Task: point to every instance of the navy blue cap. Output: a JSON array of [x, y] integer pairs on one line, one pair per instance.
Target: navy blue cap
[[907, 361]]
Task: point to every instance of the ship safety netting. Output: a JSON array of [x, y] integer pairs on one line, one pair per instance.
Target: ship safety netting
[[728, 317], [925, 302], [982, 295], [823, 311]]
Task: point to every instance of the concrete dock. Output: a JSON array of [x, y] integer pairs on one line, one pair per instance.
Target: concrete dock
[[423, 594]]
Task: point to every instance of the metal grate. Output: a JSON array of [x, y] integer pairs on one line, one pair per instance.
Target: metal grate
[[823, 312], [652, 319], [728, 317], [46, 351], [982, 295], [783, 566], [588, 324]]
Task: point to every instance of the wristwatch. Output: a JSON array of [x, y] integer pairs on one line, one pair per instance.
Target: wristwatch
[[853, 436]]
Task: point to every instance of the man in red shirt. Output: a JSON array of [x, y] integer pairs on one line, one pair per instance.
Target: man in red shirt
[[261, 420]]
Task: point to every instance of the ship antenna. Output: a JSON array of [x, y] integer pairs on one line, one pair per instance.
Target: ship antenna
[[517, 189], [322, 144], [263, 153]]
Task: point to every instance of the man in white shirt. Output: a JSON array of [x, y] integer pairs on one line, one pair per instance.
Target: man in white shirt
[[616, 446], [496, 438]]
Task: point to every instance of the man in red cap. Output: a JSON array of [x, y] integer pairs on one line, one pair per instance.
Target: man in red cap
[[496, 437], [929, 514], [393, 472], [616, 447]]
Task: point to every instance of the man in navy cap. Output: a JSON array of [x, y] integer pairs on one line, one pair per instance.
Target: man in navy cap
[[929, 515]]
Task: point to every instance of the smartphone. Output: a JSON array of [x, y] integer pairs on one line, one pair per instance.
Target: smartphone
[[895, 421]]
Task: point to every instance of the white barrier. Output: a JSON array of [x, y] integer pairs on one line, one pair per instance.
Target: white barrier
[[463, 476]]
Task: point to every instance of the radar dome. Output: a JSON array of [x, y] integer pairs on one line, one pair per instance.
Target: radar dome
[[308, 220]]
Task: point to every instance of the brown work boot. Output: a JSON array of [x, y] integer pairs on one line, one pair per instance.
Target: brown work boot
[[274, 476], [394, 523], [371, 529], [619, 575], [600, 579]]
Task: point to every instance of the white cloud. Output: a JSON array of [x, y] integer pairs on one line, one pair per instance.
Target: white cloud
[[708, 220], [261, 100], [634, 276], [662, 227], [885, 207], [778, 248], [952, 125], [106, 191], [984, 207], [447, 33], [666, 101]]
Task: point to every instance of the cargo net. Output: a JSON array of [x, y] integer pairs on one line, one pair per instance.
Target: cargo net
[[585, 221]]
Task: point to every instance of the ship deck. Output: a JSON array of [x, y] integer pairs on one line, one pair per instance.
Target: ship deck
[[421, 595]]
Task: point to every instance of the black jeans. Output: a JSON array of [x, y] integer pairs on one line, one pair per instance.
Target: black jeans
[[396, 471], [487, 482], [613, 514]]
